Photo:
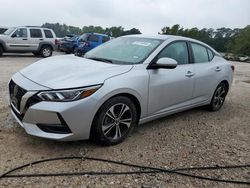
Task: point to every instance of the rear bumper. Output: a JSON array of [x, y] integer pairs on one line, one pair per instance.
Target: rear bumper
[[65, 48]]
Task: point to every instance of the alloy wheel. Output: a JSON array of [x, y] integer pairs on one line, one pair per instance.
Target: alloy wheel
[[117, 121], [219, 97], [46, 52]]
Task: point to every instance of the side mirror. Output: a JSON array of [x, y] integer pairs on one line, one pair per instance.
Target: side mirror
[[165, 63]]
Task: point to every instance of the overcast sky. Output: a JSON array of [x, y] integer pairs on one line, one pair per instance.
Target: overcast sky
[[147, 15]]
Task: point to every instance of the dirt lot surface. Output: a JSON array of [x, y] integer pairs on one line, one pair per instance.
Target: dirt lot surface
[[192, 138]]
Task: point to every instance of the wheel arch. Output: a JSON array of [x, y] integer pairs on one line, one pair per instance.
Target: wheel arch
[[42, 44], [135, 101], [125, 94], [226, 83], [2, 44]]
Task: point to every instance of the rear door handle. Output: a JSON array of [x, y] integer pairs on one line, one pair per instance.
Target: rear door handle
[[25, 39], [189, 74], [218, 69]]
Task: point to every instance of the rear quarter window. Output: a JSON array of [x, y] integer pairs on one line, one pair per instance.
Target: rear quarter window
[[48, 33], [210, 54], [200, 53]]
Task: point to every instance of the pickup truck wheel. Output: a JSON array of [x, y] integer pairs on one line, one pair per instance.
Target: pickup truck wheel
[[46, 51], [1, 51]]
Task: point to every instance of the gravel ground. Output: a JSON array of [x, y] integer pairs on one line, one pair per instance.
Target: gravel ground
[[192, 138]]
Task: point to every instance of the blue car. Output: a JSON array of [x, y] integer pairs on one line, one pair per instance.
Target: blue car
[[69, 45], [88, 41]]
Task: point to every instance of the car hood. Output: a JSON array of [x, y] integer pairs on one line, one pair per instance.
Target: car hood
[[69, 71], [2, 36]]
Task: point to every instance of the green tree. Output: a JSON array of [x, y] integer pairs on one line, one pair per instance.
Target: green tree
[[114, 31], [241, 43], [221, 39], [62, 29], [93, 29], [131, 32]]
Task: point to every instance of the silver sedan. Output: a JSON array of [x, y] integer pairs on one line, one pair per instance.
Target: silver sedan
[[127, 81]]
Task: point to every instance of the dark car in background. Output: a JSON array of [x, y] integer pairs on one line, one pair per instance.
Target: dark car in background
[[68, 44], [88, 41], [3, 29]]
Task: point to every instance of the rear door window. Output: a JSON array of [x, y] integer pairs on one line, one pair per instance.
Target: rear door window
[[48, 33], [36, 33], [200, 53], [93, 38]]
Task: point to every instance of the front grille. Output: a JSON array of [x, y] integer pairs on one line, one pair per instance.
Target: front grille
[[19, 116], [31, 101], [16, 94]]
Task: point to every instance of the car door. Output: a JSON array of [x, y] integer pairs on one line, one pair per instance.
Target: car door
[[93, 41], [105, 39], [36, 37], [207, 72], [19, 40], [171, 88]]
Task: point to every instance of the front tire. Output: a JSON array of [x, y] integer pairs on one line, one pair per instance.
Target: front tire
[[218, 97], [46, 51], [114, 121], [78, 53]]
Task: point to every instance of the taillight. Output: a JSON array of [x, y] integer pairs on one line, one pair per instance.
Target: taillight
[[232, 67], [57, 41]]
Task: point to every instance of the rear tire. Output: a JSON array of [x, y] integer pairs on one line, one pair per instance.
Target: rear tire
[[114, 121], [218, 97], [46, 51], [1, 51]]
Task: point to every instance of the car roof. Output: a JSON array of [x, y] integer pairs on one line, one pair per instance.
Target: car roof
[[97, 34], [33, 27], [163, 37], [167, 37]]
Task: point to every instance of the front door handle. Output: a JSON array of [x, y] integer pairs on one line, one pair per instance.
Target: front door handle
[[25, 39], [218, 69], [189, 74]]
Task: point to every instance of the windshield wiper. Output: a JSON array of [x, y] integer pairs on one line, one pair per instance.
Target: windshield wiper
[[101, 59]]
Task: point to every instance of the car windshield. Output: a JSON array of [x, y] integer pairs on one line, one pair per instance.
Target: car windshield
[[9, 31], [83, 37], [74, 38], [124, 50]]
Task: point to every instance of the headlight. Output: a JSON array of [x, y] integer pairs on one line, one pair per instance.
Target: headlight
[[67, 95]]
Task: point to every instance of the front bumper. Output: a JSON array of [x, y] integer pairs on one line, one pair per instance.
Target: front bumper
[[53, 120]]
